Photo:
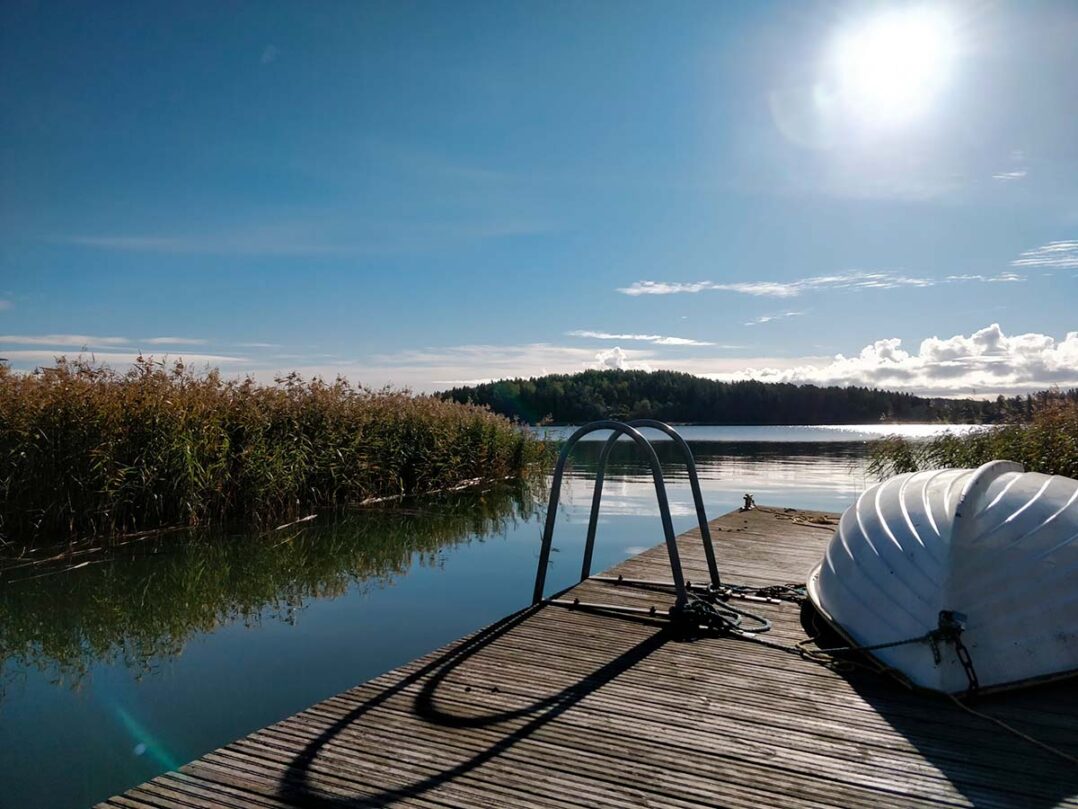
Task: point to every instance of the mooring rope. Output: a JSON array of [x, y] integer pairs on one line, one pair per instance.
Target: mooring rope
[[1011, 729], [828, 657], [725, 618]]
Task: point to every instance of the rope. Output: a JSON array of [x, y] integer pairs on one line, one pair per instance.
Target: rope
[[794, 593], [727, 618], [723, 617], [819, 654], [826, 658], [1011, 729]]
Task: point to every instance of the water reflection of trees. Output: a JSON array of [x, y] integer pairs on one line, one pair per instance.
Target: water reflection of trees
[[143, 604]]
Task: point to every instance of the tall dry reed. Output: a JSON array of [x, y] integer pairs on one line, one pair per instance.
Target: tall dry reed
[[1048, 443], [86, 450]]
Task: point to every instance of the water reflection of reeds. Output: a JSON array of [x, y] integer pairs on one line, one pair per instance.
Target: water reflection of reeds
[[142, 603]]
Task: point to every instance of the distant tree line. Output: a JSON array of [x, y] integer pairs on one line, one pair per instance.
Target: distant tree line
[[680, 397]]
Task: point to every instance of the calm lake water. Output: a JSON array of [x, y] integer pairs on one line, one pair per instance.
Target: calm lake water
[[144, 660]]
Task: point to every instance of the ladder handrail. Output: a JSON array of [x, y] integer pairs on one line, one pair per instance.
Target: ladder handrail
[[694, 484], [619, 428]]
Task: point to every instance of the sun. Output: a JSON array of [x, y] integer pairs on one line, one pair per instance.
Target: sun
[[889, 68]]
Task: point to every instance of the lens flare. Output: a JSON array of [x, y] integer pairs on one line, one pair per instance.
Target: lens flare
[[144, 742]]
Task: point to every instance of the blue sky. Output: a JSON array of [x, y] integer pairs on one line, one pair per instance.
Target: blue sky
[[426, 193]]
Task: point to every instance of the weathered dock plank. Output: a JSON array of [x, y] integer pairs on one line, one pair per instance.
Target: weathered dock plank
[[552, 707]]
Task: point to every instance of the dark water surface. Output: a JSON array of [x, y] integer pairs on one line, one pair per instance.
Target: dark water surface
[[168, 648]]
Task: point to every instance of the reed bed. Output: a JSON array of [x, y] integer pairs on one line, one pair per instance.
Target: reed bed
[[1048, 443], [89, 451]]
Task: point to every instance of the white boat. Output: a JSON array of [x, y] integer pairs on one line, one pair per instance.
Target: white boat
[[985, 560]]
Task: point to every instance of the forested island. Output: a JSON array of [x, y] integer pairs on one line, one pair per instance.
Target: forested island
[[679, 397]]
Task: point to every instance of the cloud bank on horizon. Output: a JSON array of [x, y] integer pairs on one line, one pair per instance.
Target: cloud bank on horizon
[[986, 362]]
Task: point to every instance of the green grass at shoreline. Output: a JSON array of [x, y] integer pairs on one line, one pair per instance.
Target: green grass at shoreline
[[1048, 444], [88, 451]]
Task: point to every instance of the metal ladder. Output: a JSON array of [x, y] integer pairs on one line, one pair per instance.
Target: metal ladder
[[680, 587]]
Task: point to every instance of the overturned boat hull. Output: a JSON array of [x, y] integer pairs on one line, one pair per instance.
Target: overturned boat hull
[[973, 573]]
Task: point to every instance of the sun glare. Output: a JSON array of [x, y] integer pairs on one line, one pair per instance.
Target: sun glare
[[890, 67]]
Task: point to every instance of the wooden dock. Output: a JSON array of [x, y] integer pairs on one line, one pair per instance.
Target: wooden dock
[[552, 707]]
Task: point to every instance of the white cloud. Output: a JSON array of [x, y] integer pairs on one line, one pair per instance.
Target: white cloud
[[439, 368], [117, 358], [617, 359], [999, 278], [430, 369], [418, 368], [1060, 255], [986, 362], [612, 358], [791, 289], [657, 339], [5, 304], [76, 340], [783, 289], [175, 341], [463, 382], [1010, 176], [269, 54], [664, 288], [759, 321], [92, 341]]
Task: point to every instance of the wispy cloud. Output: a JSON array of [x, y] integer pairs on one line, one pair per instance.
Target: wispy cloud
[[269, 55], [999, 278], [1060, 255], [258, 345], [1018, 168], [321, 238], [175, 341], [855, 281], [212, 244], [769, 318], [443, 366], [657, 339], [91, 340], [117, 358], [5, 304], [783, 289], [665, 287], [74, 340]]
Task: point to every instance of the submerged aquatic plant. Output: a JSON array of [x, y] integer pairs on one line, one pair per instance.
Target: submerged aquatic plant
[[89, 451], [1048, 443]]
